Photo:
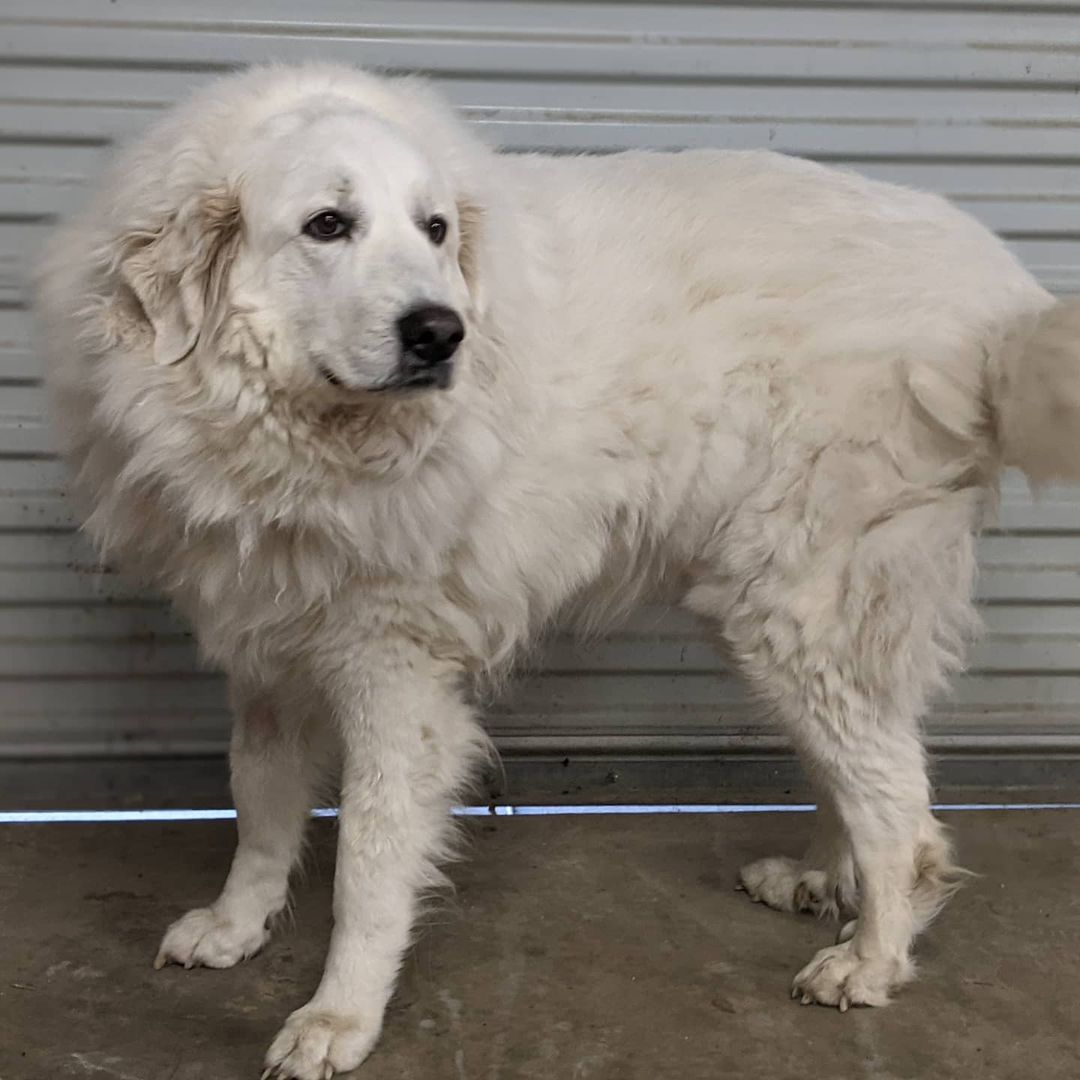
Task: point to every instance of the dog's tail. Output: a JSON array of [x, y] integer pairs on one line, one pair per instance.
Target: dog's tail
[[1036, 397]]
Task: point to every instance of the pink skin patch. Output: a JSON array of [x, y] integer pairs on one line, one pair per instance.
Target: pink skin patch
[[260, 726]]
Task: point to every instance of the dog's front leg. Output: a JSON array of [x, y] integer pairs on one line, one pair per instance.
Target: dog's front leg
[[408, 740], [277, 748]]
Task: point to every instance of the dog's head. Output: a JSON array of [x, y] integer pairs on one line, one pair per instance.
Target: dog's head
[[326, 239]]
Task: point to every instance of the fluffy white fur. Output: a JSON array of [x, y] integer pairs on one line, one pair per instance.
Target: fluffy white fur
[[777, 394]]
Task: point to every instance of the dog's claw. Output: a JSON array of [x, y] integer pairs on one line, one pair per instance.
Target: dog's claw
[[844, 1003], [807, 999]]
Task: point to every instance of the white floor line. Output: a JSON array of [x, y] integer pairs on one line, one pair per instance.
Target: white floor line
[[52, 817]]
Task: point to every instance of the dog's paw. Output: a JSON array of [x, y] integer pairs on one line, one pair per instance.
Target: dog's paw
[[784, 885], [203, 938], [839, 977], [317, 1043]]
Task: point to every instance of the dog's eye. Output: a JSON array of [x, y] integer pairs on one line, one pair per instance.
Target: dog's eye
[[327, 225], [436, 229]]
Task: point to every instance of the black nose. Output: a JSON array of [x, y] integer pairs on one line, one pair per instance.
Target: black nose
[[430, 334]]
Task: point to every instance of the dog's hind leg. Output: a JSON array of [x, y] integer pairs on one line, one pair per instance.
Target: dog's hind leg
[[821, 883], [273, 774], [843, 631]]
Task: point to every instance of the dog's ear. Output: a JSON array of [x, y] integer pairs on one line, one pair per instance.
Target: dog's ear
[[177, 270], [470, 227]]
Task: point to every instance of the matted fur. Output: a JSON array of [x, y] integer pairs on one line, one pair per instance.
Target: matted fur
[[775, 393]]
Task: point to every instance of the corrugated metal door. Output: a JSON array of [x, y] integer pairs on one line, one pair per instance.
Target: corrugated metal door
[[976, 100]]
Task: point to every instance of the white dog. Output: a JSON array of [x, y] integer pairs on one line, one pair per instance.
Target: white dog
[[373, 404]]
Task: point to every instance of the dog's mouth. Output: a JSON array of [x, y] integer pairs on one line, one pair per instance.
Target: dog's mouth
[[439, 376], [329, 376]]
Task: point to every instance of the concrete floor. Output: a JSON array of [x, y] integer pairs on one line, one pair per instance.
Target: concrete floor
[[602, 948]]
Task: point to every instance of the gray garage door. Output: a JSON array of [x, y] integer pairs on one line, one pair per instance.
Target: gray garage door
[[979, 101]]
